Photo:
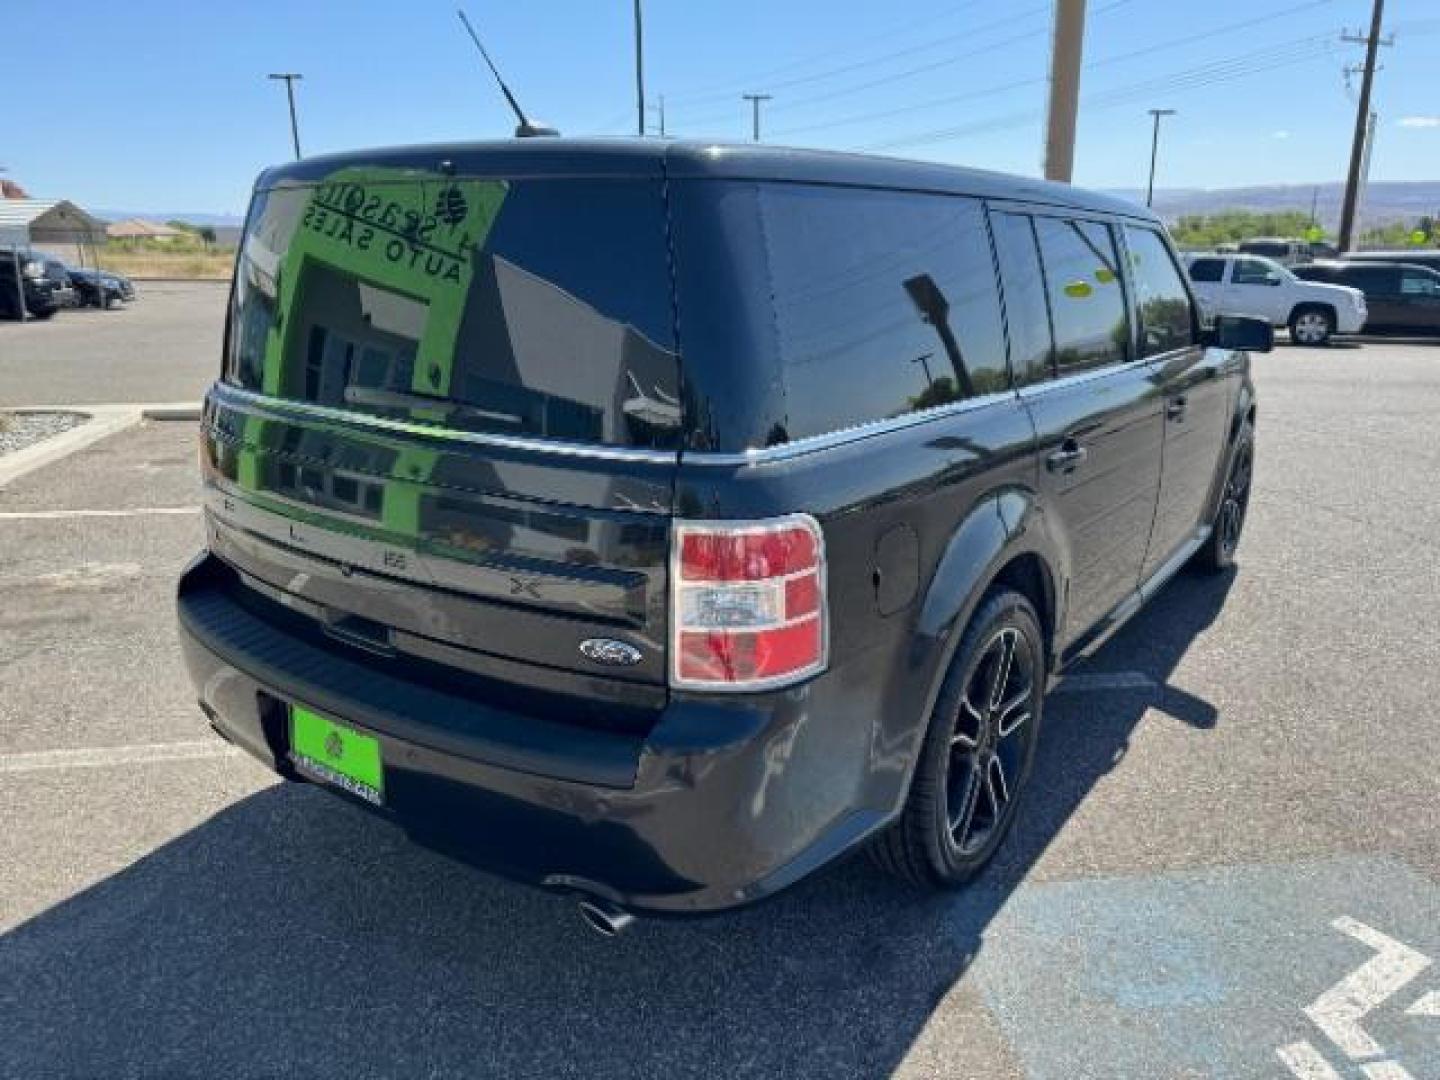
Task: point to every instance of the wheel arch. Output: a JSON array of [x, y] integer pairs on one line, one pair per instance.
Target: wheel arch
[[1316, 305], [1004, 540]]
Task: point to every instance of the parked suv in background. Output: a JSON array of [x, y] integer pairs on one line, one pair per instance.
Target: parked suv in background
[[657, 522], [38, 291], [1400, 298], [1282, 250], [1426, 257], [1263, 289]]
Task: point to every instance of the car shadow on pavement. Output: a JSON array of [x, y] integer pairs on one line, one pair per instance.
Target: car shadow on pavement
[[295, 935]]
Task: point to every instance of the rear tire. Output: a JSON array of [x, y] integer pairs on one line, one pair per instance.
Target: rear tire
[[1311, 325], [1218, 554], [978, 753]]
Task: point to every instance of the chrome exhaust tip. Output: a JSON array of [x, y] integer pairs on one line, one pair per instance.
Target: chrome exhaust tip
[[606, 919]]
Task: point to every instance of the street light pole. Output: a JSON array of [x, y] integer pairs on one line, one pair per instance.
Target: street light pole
[[1154, 148], [290, 77], [755, 100], [639, 73]]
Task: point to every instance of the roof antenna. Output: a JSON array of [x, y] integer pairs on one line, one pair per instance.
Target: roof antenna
[[525, 129]]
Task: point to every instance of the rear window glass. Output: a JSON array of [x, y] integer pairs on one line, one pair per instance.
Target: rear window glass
[[538, 308], [884, 303]]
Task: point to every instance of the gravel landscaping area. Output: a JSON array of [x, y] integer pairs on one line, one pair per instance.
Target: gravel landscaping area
[[19, 430]]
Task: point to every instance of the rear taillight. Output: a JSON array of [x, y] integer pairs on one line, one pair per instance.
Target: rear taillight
[[747, 603]]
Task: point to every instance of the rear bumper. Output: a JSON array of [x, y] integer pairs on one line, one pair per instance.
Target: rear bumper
[[721, 803]]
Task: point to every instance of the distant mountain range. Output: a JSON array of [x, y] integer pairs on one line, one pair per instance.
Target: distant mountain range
[[1383, 201]]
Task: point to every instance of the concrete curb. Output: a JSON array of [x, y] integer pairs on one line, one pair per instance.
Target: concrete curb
[[178, 410], [105, 420]]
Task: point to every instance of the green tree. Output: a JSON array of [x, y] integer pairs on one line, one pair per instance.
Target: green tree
[[1232, 226]]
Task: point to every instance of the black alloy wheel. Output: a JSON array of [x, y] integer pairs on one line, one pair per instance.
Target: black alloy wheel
[[978, 751]]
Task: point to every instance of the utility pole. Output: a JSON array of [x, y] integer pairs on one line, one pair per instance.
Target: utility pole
[[660, 114], [1065, 52], [1371, 125], [1362, 121], [290, 77], [755, 100], [639, 73], [1154, 147]]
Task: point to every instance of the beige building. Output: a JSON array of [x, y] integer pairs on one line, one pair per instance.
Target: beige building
[[140, 229]]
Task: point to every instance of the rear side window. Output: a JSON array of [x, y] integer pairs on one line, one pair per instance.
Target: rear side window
[[537, 308], [1415, 284], [1372, 280], [1166, 321], [1254, 272], [1087, 302], [884, 303], [1207, 270]]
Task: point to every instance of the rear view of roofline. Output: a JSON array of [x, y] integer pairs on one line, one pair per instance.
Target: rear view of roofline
[[517, 158]]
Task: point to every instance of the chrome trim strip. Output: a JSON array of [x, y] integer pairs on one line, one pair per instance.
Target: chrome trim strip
[[706, 458], [1078, 378], [232, 395], [814, 443]]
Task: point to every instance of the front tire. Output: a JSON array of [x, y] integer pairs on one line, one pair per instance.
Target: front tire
[[978, 753], [1311, 326]]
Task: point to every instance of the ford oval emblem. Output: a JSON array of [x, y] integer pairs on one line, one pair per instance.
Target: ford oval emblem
[[609, 651]]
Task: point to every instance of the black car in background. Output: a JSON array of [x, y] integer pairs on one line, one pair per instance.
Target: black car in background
[[658, 522], [40, 299], [1400, 297], [100, 288]]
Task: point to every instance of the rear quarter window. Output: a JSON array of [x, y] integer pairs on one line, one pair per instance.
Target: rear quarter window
[[885, 303], [1207, 271], [809, 309]]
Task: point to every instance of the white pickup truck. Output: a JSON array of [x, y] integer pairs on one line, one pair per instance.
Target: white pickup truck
[[1261, 288]]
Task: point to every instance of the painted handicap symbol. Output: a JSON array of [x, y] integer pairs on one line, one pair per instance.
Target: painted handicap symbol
[[1338, 1012]]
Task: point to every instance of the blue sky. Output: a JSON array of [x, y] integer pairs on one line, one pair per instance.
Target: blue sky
[[168, 107]]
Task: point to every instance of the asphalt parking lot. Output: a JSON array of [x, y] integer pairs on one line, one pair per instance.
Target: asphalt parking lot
[[1228, 865], [163, 347]]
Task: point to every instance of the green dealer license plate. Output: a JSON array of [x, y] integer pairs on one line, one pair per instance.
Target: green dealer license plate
[[336, 754]]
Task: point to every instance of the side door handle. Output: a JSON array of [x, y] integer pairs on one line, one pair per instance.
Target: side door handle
[[1175, 408], [1068, 458]]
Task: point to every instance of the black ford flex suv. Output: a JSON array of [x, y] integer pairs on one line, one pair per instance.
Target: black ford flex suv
[[658, 522]]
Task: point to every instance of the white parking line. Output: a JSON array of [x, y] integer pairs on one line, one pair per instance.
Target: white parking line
[[60, 515], [1339, 1010], [1306, 1062], [107, 756]]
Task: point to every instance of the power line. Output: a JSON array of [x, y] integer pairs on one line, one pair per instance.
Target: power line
[[885, 58], [1018, 84], [727, 89], [711, 117], [1235, 67]]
